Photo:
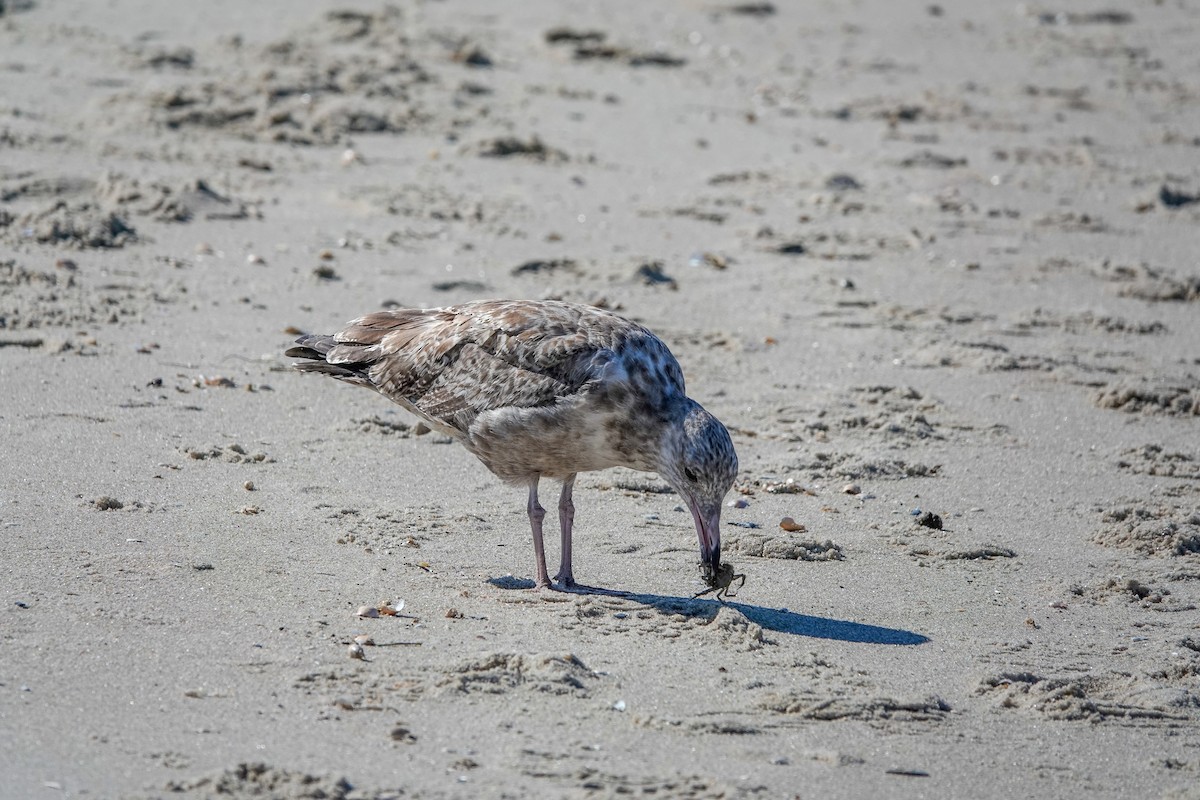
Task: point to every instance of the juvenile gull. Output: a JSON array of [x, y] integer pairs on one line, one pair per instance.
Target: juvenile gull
[[543, 390]]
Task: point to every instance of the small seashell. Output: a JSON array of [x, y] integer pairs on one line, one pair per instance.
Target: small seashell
[[255, 258], [325, 255], [389, 609], [350, 156], [453, 613], [364, 640], [714, 260], [739, 503], [789, 524], [248, 486], [367, 611], [355, 650], [851, 488]]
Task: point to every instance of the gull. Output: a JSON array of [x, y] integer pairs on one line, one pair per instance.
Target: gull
[[543, 390]]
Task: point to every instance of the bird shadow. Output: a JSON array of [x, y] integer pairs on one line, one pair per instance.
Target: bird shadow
[[772, 619], [783, 621]]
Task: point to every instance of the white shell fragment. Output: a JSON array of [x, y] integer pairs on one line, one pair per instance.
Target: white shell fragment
[[367, 612], [355, 651]]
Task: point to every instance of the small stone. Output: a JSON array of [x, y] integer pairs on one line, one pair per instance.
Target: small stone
[[930, 520], [367, 612], [789, 524], [249, 486], [851, 488], [355, 650], [402, 734]]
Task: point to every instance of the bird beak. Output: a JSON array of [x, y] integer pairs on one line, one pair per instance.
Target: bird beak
[[708, 530]]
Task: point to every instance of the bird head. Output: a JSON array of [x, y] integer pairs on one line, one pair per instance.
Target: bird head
[[698, 460]]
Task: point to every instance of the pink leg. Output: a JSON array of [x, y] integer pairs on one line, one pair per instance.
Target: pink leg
[[566, 519], [536, 514]]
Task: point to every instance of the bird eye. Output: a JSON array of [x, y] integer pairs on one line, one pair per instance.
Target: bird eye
[[690, 474]]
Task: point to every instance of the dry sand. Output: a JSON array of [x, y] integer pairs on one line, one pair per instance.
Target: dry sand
[[946, 253]]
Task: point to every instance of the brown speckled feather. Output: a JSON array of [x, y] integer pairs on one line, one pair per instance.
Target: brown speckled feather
[[498, 358]]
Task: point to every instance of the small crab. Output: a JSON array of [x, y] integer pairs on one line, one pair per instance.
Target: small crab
[[720, 581]]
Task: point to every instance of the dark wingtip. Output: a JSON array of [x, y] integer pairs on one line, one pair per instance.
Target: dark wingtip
[[303, 352], [312, 346]]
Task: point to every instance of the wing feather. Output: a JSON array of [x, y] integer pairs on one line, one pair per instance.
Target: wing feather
[[452, 364]]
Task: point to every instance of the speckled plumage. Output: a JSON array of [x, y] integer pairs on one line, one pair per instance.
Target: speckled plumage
[[541, 389]]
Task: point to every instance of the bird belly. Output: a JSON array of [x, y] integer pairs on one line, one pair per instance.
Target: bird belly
[[551, 441]]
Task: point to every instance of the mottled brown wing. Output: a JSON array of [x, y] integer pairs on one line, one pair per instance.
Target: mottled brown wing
[[453, 364], [477, 381]]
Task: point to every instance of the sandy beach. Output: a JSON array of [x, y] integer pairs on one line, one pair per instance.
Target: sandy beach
[[933, 264]]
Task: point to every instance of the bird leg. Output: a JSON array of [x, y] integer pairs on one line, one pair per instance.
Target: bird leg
[[566, 519], [536, 514]]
